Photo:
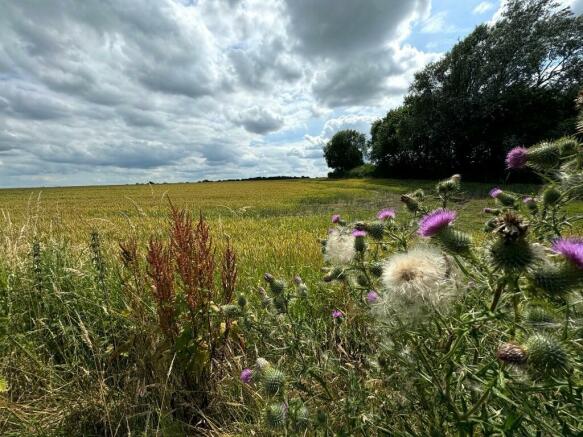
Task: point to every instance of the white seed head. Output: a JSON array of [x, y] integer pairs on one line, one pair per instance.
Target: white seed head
[[339, 247], [416, 280]]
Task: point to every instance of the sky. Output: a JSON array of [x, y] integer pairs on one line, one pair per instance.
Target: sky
[[130, 91]]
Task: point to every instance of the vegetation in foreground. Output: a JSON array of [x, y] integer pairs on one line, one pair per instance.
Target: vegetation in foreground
[[424, 322]]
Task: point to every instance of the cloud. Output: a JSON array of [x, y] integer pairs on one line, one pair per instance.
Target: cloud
[[482, 8], [136, 90], [336, 28], [259, 120]]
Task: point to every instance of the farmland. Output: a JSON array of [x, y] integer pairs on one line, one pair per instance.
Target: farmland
[[274, 225], [108, 331]]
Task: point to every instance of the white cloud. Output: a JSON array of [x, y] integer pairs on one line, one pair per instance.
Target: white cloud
[[176, 90], [482, 8]]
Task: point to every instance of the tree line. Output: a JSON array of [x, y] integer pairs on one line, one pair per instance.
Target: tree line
[[507, 84]]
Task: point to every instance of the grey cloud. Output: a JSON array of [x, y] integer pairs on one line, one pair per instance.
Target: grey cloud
[[259, 120], [360, 80], [336, 28]]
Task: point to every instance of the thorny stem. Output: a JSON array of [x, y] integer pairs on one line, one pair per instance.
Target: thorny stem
[[497, 295]]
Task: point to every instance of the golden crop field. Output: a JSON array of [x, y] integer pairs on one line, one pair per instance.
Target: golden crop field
[[274, 225]]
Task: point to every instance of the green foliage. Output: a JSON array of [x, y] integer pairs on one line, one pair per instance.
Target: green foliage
[[345, 150], [504, 85]]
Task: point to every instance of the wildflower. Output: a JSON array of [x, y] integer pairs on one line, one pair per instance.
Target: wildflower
[[495, 192], [339, 247], [414, 280], [372, 297], [359, 244], [386, 213], [570, 248], [246, 375], [516, 158], [435, 221], [336, 218], [502, 197], [530, 203], [336, 314]]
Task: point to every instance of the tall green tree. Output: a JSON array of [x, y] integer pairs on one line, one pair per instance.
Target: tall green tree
[[345, 150], [506, 84]]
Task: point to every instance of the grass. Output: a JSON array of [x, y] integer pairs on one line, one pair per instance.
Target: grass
[[66, 320]]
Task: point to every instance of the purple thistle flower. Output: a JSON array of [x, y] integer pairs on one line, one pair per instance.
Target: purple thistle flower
[[435, 221], [516, 158], [495, 192], [336, 314], [570, 248], [372, 297], [358, 233], [336, 218], [386, 213], [246, 375]]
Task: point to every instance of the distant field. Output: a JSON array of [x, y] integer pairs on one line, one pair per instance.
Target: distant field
[[274, 225]]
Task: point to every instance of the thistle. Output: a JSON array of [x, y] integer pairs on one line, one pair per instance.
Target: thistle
[[437, 225], [276, 286], [385, 214], [376, 269], [276, 415], [544, 156], [551, 196], [411, 203], [571, 249], [375, 229], [231, 311], [273, 381], [504, 198], [246, 375], [359, 242], [517, 158], [547, 357], [555, 280], [530, 203]]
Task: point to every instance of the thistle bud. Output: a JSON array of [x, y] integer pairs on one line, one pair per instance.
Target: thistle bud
[[301, 418], [418, 194], [511, 353], [568, 146], [375, 229], [242, 300], [276, 415], [544, 156], [530, 203], [411, 204], [362, 280], [359, 242], [276, 286], [556, 281], [334, 274], [551, 196], [376, 269], [231, 310], [512, 255], [547, 357], [273, 381], [453, 240]]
